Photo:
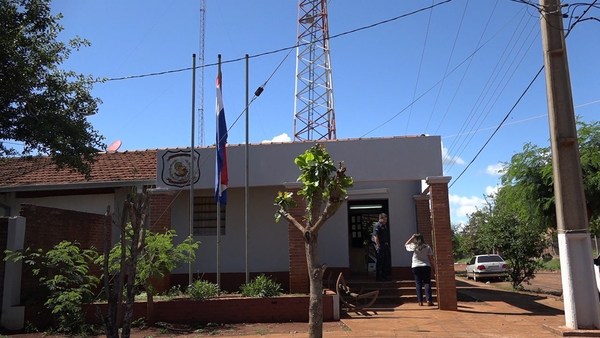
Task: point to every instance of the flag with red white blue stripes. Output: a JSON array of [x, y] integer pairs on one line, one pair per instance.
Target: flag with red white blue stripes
[[221, 179]]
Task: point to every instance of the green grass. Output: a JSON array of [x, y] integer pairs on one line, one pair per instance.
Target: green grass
[[552, 265]]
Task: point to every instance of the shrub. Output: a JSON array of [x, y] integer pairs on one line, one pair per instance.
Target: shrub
[[64, 272], [202, 290], [173, 292], [261, 286]]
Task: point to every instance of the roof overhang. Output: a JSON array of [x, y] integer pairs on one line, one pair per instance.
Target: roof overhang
[[77, 186]]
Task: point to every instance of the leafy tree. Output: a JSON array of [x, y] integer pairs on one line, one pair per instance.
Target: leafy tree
[[64, 271], [589, 151], [41, 105], [529, 173], [324, 190], [158, 257], [519, 240]]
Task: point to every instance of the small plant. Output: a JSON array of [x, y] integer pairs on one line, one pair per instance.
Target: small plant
[[173, 292], [202, 290], [552, 264], [261, 286], [64, 272]]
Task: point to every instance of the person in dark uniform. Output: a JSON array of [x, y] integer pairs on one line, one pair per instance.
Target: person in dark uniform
[[381, 237]]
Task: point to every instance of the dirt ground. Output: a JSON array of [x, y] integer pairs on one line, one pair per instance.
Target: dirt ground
[[545, 282]]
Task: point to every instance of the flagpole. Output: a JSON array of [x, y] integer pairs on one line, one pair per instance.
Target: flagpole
[[192, 161], [246, 185], [219, 190]]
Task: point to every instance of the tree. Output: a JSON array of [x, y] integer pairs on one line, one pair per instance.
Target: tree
[[324, 190], [529, 173], [64, 271], [159, 256], [41, 105]]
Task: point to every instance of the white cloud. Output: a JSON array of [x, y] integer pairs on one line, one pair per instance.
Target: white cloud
[[450, 159], [279, 139], [495, 169], [461, 207], [489, 190]]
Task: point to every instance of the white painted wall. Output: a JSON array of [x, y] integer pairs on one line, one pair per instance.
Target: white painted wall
[[267, 240], [95, 204], [381, 159]]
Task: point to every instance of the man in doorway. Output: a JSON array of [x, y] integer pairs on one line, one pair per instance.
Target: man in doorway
[[381, 237]]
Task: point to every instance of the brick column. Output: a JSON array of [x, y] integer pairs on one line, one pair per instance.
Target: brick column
[[442, 241], [299, 282], [160, 221], [424, 217], [160, 212]]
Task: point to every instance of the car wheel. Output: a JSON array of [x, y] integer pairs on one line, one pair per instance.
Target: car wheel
[[474, 277]]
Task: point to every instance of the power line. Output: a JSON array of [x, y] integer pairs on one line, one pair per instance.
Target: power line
[[518, 100], [275, 51]]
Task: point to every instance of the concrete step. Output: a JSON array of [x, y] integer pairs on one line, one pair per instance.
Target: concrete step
[[391, 293]]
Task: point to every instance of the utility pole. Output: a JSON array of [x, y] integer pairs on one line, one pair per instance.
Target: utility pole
[[582, 309]]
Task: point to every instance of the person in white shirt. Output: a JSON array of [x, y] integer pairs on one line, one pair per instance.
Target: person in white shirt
[[421, 266]]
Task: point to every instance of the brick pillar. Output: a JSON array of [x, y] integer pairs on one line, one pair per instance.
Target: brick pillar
[[160, 212], [442, 241], [160, 221], [299, 282], [424, 217]]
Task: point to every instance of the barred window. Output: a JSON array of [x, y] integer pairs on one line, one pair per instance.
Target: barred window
[[205, 216]]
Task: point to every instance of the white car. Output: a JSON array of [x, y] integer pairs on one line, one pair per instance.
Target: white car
[[486, 267]]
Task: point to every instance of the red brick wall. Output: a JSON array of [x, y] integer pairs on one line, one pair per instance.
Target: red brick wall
[[424, 217], [160, 212], [442, 239], [160, 221], [229, 310], [46, 227], [299, 281]]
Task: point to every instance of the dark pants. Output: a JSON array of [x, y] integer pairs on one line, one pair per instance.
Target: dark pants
[[423, 279], [384, 262]]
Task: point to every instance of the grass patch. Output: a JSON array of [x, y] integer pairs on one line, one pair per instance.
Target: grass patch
[[551, 264]]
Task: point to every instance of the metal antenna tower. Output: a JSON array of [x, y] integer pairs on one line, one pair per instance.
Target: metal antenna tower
[[201, 61], [314, 116]]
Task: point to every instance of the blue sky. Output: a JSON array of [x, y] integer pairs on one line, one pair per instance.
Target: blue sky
[[454, 71]]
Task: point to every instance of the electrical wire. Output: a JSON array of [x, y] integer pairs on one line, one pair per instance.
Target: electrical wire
[[437, 97], [420, 66], [275, 51], [517, 102]]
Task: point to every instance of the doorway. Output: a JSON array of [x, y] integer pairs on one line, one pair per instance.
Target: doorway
[[362, 215]]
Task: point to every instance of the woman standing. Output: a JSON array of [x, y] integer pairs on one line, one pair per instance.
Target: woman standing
[[421, 266]]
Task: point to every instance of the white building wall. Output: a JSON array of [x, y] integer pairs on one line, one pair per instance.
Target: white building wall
[[267, 240], [389, 169], [95, 204]]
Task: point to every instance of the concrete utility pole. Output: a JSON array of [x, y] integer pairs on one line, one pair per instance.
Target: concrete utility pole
[[582, 309]]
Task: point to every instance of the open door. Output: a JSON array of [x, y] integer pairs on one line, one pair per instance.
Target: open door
[[362, 215]]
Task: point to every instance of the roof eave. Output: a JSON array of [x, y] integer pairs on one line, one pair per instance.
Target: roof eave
[[77, 186]]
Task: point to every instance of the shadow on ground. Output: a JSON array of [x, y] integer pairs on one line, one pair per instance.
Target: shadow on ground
[[531, 303]]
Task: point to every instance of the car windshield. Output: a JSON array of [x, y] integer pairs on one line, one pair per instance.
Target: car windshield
[[488, 259]]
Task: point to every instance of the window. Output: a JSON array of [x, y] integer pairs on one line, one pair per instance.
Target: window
[[205, 216]]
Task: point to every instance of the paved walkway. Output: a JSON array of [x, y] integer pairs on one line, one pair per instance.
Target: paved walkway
[[483, 311]]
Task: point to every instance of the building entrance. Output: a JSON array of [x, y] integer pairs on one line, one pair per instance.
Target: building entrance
[[362, 215]]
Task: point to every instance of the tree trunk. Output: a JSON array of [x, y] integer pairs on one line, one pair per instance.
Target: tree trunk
[[110, 320], [315, 271], [150, 307]]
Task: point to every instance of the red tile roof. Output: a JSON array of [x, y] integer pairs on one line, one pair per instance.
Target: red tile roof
[[128, 166]]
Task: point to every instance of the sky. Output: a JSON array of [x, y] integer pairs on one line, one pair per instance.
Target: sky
[[456, 70]]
